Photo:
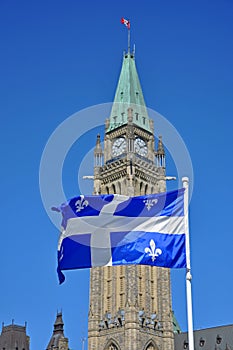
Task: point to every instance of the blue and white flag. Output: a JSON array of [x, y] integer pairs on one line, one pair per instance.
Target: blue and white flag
[[109, 230]]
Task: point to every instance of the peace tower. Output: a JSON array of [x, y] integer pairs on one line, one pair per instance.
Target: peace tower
[[130, 306]]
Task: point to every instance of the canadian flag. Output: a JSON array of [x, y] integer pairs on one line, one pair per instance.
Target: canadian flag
[[125, 22]]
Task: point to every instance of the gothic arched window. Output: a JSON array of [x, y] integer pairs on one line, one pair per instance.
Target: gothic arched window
[[112, 347], [113, 189], [142, 188]]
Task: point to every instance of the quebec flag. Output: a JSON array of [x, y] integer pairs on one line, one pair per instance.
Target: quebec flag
[[108, 230]]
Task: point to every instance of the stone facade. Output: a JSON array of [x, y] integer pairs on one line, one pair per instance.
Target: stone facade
[[14, 337]]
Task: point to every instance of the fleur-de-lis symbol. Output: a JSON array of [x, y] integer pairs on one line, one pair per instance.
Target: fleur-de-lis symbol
[[153, 251], [81, 204], [150, 203]]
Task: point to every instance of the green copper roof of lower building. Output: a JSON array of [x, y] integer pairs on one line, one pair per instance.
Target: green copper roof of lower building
[[176, 326], [129, 95]]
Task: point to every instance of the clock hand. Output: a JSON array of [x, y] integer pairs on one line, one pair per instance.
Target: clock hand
[[120, 144]]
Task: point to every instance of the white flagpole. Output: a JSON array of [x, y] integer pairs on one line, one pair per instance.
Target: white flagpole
[[185, 182]]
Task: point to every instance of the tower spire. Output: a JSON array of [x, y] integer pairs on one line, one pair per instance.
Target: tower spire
[[129, 95]]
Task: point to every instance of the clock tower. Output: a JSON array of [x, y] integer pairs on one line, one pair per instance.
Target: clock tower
[[130, 306]]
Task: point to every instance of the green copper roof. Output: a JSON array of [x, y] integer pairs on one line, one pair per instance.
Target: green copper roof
[[129, 95], [176, 326]]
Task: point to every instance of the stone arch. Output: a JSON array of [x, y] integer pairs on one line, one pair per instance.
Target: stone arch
[[146, 189], [137, 187], [150, 345], [112, 345], [142, 188], [118, 187], [113, 189], [107, 189]]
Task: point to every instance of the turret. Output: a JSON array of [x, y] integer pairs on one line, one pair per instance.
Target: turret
[[98, 153], [98, 162], [58, 340], [160, 154]]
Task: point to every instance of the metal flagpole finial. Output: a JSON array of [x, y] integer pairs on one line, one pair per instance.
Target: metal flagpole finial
[[185, 181]]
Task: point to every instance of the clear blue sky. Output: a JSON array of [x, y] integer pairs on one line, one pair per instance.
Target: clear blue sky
[[58, 57]]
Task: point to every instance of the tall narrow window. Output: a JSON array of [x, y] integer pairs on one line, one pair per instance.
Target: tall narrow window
[[113, 189]]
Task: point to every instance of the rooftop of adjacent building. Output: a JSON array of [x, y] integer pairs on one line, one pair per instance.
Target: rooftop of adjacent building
[[176, 326], [13, 327], [215, 338], [14, 336]]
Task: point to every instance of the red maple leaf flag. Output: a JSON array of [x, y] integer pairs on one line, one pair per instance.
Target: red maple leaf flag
[[126, 22]]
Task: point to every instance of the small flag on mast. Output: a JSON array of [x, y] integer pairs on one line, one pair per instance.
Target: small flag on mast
[[109, 230], [126, 22]]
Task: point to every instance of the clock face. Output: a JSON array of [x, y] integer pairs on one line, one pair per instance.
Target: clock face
[[140, 147], [119, 146]]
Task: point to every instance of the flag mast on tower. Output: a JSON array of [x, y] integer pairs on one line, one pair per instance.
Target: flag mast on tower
[[126, 22]]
